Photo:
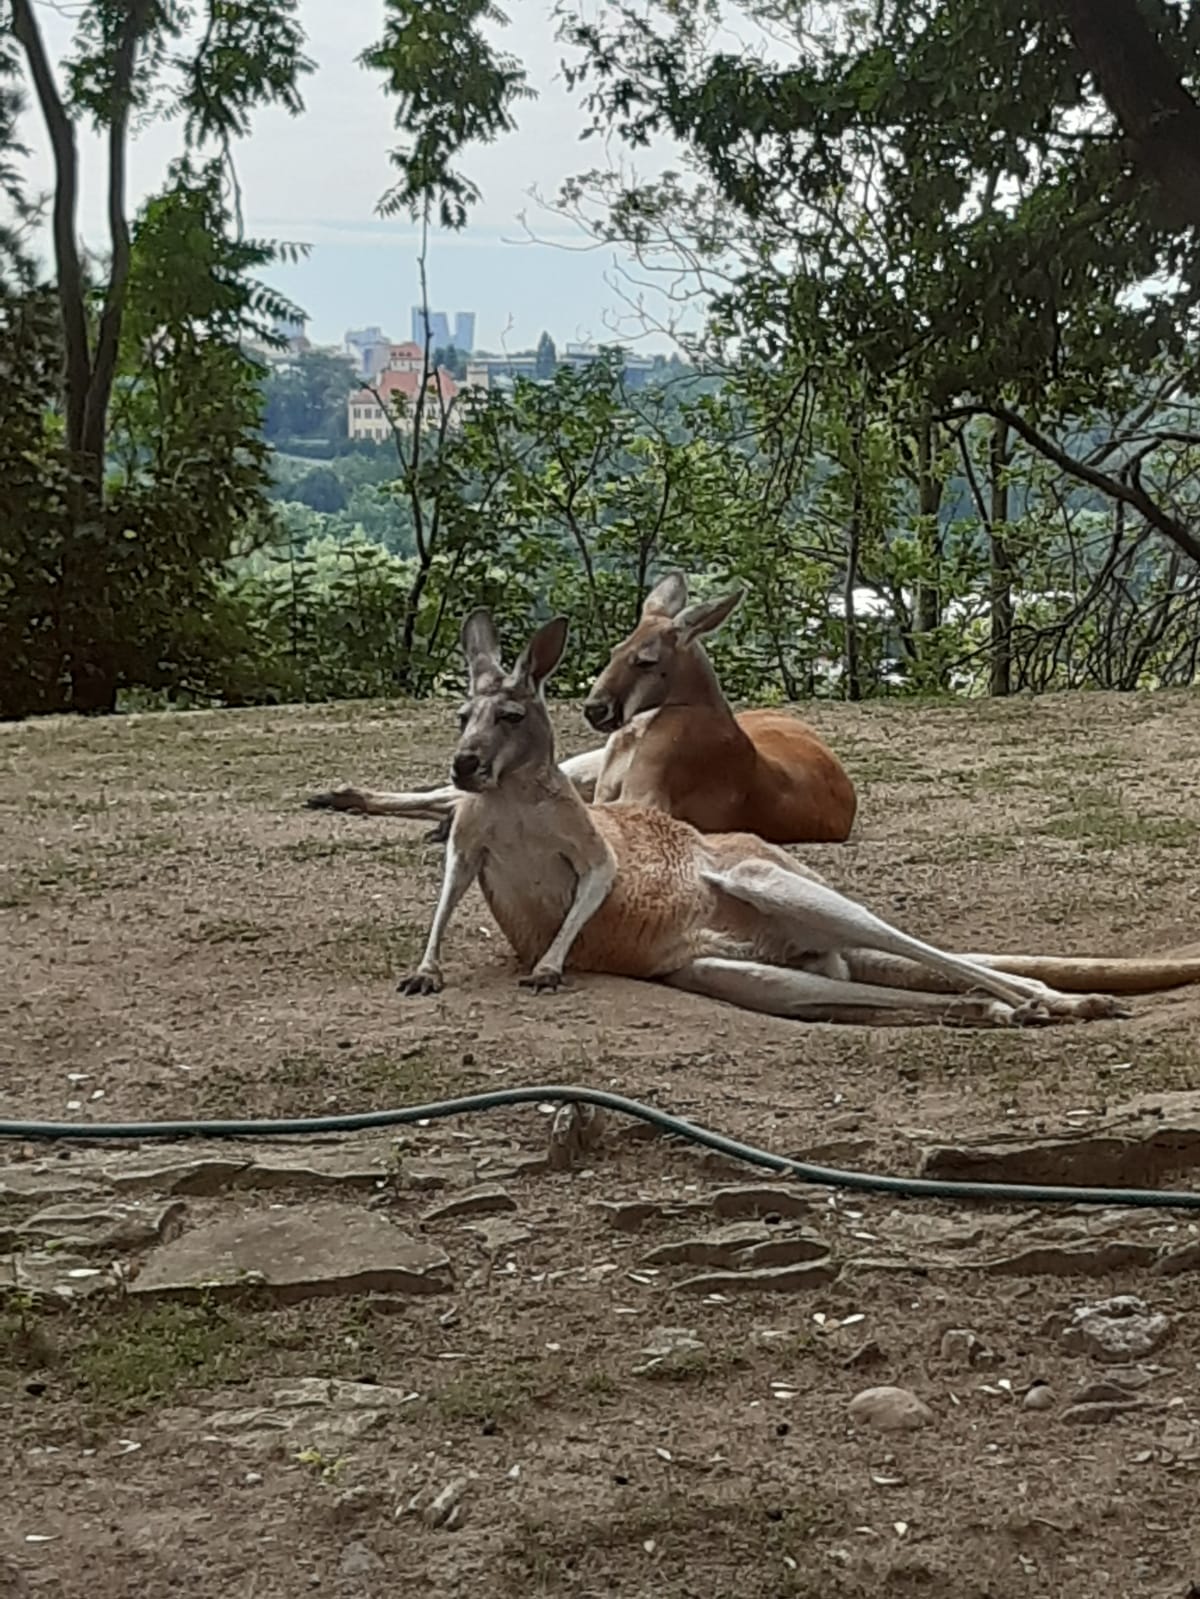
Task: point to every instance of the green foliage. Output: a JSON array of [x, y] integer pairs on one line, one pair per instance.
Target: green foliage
[[188, 472], [454, 361], [941, 442], [306, 397], [451, 90]]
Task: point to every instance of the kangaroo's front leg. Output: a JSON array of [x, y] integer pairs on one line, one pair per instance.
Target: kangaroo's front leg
[[594, 879], [461, 870], [423, 804]]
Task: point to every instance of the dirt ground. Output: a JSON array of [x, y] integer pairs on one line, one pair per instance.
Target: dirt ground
[[178, 936]]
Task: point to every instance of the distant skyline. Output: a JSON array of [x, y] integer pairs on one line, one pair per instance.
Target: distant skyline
[[316, 180]]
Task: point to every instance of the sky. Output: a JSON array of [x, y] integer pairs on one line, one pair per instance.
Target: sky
[[317, 180]]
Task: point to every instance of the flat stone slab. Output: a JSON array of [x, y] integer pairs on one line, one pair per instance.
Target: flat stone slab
[[485, 1201], [1136, 1144], [106, 1228], [767, 1280], [53, 1278], [45, 1180], [740, 1244], [320, 1413], [307, 1252]]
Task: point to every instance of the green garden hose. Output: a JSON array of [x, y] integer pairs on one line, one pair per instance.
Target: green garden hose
[[799, 1171]]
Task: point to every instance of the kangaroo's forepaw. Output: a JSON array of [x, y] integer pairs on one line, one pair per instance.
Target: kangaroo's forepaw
[[441, 833], [338, 799], [421, 982], [542, 980]]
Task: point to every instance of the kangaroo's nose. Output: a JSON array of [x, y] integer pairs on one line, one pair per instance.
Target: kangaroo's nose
[[465, 766], [597, 712]]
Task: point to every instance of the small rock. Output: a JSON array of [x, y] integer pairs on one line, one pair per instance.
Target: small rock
[[759, 1199], [1096, 1259], [1116, 1330], [357, 1560], [1096, 1393], [1040, 1397], [667, 1343], [497, 1233], [672, 1341], [575, 1130], [890, 1410], [742, 1243], [1176, 1261], [444, 1509], [768, 1280], [962, 1347], [476, 1202], [204, 1176], [107, 1228], [627, 1216], [1092, 1415]]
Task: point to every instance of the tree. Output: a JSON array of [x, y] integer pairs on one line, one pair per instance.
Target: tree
[[321, 490], [453, 360], [121, 65], [306, 397], [1139, 58], [546, 359]]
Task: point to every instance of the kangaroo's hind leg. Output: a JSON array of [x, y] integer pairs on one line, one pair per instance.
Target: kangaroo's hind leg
[[809, 996], [808, 917]]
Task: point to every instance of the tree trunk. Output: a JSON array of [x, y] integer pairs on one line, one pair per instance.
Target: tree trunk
[[85, 625], [927, 607], [850, 652], [1000, 643], [929, 498], [1144, 91]]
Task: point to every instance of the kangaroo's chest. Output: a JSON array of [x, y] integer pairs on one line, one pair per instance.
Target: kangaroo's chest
[[527, 885], [620, 753]]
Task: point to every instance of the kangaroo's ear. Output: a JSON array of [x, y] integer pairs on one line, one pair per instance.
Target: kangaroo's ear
[[704, 616], [667, 597], [543, 653], [481, 646]]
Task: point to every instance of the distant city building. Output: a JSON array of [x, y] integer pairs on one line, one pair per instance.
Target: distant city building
[[500, 371], [369, 349], [441, 335], [394, 392], [291, 331], [636, 368]]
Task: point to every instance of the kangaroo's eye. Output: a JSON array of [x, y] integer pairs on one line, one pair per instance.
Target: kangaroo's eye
[[512, 717], [644, 662]]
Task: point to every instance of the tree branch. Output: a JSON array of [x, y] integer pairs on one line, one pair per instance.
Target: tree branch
[[1132, 494], [1145, 93]]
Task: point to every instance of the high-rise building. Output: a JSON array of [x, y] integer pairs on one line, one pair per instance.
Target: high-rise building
[[433, 325], [441, 335], [369, 348]]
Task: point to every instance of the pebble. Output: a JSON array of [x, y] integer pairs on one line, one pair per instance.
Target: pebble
[[963, 1347], [444, 1509], [1116, 1330], [357, 1560], [1040, 1397], [890, 1409]]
